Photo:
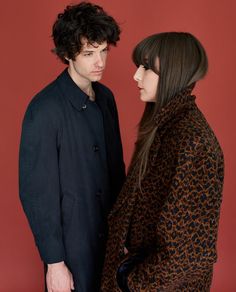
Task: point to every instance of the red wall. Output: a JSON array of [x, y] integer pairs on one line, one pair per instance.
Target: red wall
[[27, 65]]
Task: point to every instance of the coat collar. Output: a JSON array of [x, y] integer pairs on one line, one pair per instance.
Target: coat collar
[[182, 102], [69, 89]]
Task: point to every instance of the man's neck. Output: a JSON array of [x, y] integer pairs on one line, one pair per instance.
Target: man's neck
[[84, 84]]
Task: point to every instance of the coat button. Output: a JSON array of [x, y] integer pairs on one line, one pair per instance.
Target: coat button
[[95, 148]]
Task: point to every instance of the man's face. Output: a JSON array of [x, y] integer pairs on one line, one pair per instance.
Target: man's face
[[90, 63]]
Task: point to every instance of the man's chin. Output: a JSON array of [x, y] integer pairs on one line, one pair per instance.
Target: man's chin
[[96, 78]]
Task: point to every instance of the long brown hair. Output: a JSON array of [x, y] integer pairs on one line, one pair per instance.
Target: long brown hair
[[183, 61]]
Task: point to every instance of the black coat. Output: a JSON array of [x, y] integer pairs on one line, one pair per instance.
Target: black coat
[[71, 171]]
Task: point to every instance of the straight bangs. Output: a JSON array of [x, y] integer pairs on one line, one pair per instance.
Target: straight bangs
[[146, 53]]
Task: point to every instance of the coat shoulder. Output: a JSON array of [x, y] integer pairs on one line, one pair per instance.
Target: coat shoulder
[[194, 131], [49, 97], [45, 107]]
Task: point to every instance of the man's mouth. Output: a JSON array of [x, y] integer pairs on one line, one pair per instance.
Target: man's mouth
[[97, 72]]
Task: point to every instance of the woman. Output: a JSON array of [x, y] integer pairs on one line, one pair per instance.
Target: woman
[[163, 227]]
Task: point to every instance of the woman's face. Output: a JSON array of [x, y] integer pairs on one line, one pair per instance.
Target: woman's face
[[147, 83]]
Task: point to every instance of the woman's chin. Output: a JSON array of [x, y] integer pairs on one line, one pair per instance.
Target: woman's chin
[[146, 99]]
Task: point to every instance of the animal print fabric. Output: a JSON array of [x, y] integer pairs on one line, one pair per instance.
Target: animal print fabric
[[175, 217]]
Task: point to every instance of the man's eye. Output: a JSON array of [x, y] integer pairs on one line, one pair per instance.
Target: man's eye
[[88, 54]]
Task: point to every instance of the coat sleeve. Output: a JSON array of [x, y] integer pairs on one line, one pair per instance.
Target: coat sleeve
[[39, 181], [117, 170], [187, 226]]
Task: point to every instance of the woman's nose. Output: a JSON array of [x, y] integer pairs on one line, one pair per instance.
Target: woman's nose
[[138, 74]]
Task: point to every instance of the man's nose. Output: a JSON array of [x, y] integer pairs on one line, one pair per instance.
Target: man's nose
[[99, 61]]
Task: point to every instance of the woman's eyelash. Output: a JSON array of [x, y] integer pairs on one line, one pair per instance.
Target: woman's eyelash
[[146, 67]]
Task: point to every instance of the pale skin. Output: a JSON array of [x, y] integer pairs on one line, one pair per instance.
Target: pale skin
[[147, 82], [59, 278], [87, 67]]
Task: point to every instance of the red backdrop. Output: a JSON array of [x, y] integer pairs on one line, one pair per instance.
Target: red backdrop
[[28, 65]]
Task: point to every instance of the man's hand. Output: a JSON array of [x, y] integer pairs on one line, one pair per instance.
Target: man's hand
[[59, 278]]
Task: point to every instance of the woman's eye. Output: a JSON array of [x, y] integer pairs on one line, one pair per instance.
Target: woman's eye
[[146, 67]]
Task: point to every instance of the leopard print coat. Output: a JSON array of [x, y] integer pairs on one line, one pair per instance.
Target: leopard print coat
[[175, 217]]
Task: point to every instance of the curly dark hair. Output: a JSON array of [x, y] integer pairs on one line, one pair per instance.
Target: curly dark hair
[[84, 20]]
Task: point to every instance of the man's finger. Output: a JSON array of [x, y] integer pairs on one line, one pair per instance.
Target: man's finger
[[72, 284]]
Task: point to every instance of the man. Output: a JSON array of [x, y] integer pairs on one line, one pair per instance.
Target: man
[[71, 161]]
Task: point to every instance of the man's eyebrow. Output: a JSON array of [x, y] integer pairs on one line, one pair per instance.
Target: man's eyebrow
[[87, 51]]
